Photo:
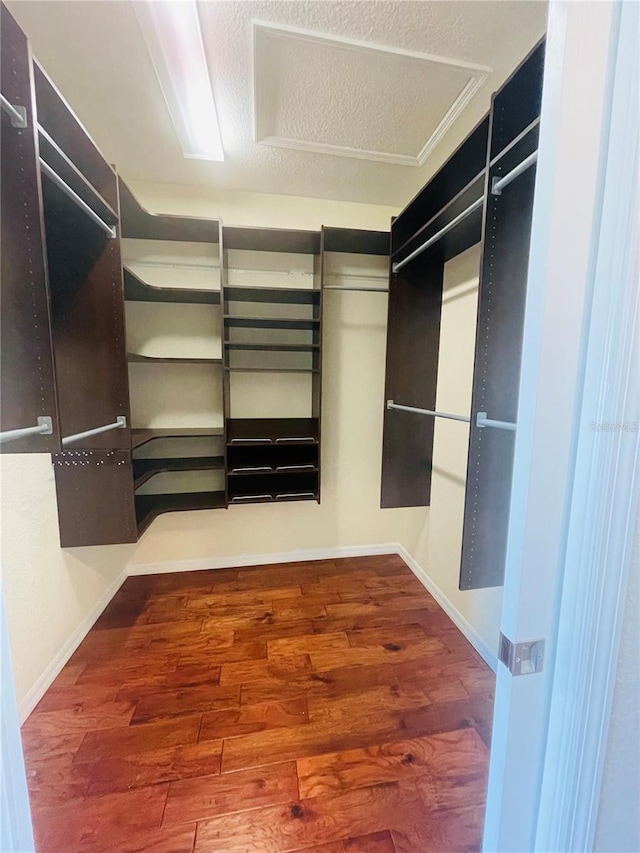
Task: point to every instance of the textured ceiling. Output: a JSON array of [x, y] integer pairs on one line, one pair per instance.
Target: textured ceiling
[[319, 94]]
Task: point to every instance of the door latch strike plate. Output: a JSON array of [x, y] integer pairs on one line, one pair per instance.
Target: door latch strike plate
[[521, 658]]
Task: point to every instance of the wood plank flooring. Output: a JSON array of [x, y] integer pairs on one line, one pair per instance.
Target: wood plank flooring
[[325, 707]]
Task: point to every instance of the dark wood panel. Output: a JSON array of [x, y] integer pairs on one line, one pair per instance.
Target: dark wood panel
[[27, 386], [517, 104], [272, 240], [413, 339], [95, 497], [356, 241], [142, 224], [501, 305], [58, 119], [88, 324]]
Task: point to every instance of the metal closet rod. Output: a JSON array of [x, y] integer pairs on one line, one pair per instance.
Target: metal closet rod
[[447, 415], [44, 427], [498, 184], [120, 423], [73, 195], [18, 115], [481, 418], [400, 264]]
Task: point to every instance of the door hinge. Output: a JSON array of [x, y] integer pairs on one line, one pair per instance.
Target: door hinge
[[521, 658]]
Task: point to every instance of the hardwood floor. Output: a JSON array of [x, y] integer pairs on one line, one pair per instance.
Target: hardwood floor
[[326, 707]]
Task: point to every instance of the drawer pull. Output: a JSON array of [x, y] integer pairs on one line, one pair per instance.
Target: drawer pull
[[297, 438], [295, 495], [239, 498], [251, 441], [295, 467], [255, 468]]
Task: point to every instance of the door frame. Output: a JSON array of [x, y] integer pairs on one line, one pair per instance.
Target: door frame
[[575, 481]]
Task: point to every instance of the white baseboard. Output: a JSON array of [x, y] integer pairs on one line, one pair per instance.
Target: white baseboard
[[452, 612], [302, 556], [204, 563], [37, 691]]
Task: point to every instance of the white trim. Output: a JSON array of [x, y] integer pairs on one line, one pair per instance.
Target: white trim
[[302, 556], [452, 612], [46, 679], [606, 484], [308, 555], [478, 76]]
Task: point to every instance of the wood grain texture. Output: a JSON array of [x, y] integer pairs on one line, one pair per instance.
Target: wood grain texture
[[326, 707]]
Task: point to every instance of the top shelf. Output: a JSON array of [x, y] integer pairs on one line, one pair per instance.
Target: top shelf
[[271, 240], [140, 224], [356, 241]]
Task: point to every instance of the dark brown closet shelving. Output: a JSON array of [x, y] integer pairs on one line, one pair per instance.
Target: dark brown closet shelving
[[138, 223], [273, 459]]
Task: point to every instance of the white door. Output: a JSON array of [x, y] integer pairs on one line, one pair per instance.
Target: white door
[[575, 481]]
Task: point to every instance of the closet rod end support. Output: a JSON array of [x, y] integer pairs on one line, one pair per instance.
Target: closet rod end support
[[495, 189]]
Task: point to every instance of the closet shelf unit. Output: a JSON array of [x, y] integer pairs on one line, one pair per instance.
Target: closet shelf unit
[[271, 331], [139, 224]]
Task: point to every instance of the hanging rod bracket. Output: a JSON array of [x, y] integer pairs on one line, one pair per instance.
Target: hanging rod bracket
[[44, 427], [498, 183], [483, 421], [17, 114]]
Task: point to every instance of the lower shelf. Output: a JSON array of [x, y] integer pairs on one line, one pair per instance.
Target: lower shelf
[[149, 507], [264, 488]]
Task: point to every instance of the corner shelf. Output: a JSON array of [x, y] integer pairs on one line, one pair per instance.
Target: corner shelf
[[137, 290], [145, 469], [139, 437], [134, 357], [149, 507]]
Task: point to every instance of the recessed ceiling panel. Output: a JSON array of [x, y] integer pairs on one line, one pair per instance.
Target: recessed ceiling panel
[[355, 99]]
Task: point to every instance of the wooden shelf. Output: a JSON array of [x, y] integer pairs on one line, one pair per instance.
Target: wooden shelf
[[149, 507], [270, 322], [264, 487], [230, 345], [279, 431], [272, 369], [145, 469], [137, 290], [279, 295], [142, 436], [150, 359]]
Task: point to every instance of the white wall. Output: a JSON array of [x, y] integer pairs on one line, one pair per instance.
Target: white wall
[[437, 544], [49, 593]]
